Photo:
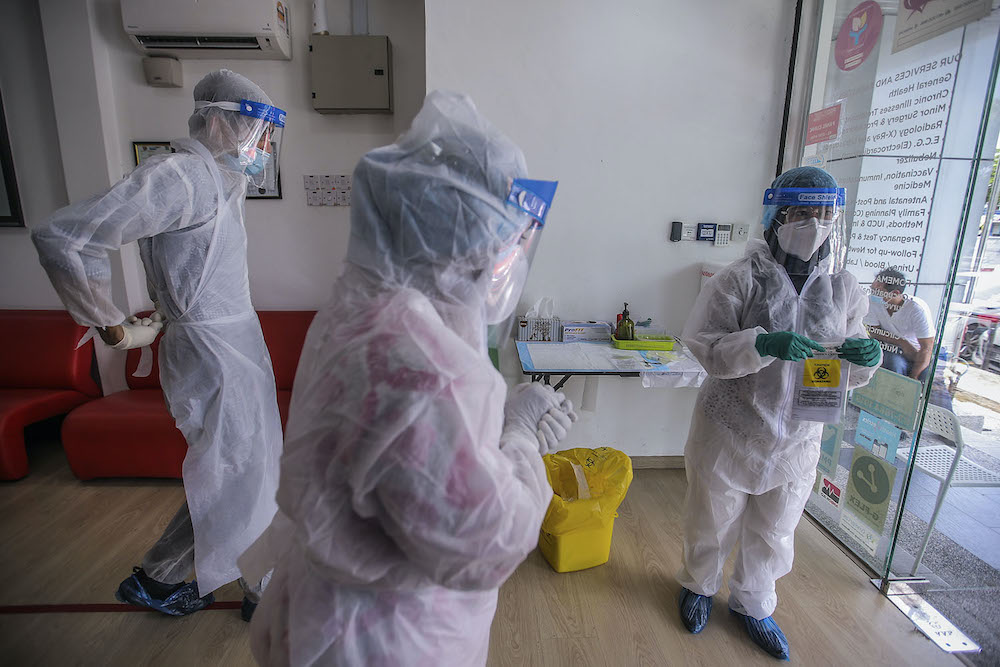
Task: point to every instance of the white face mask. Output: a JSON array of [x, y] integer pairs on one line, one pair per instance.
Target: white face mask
[[802, 239]]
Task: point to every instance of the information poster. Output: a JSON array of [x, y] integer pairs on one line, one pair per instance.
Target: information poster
[[890, 396], [920, 20], [829, 449], [877, 435], [908, 144], [858, 36], [860, 531], [824, 125], [869, 489], [909, 112], [911, 86], [830, 492]]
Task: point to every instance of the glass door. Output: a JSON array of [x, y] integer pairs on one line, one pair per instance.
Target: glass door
[[903, 112]]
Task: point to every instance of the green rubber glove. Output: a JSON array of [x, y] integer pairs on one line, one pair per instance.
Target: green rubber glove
[[786, 345], [861, 351]]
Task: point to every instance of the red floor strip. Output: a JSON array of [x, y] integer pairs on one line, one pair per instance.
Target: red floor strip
[[92, 608]]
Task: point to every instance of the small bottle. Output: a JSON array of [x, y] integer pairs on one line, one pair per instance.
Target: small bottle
[[626, 328]]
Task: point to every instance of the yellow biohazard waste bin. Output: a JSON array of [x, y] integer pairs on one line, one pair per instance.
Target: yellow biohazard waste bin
[[589, 486]]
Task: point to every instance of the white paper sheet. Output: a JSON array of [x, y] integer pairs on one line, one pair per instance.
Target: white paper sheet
[[675, 368], [567, 356]]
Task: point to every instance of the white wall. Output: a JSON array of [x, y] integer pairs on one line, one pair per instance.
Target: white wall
[[646, 112], [295, 251], [31, 125]]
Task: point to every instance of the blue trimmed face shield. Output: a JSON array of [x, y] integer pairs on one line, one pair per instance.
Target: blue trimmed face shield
[[803, 220], [257, 150], [532, 200]]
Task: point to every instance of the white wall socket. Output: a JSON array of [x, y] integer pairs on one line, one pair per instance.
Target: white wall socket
[[328, 190], [741, 231]]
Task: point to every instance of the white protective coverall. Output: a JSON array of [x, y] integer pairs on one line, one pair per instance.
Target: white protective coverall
[[405, 499], [187, 212], [750, 467]]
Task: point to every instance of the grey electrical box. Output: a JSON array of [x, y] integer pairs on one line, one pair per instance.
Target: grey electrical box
[[351, 73]]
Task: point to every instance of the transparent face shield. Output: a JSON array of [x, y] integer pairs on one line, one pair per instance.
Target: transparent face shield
[[808, 222], [257, 147], [510, 271]]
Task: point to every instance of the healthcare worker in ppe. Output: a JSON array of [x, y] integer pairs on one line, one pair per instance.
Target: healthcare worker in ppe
[[186, 210], [750, 466], [410, 489]]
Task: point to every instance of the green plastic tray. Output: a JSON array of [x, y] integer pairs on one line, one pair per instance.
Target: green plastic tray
[[667, 344]]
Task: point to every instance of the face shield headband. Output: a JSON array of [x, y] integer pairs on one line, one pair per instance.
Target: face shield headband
[[827, 202]]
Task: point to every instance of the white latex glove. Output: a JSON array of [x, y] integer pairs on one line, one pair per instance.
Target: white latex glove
[[138, 333], [157, 315], [532, 402], [554, 426]]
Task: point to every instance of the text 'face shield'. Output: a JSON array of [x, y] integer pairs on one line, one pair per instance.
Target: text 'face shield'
[[804, 203]]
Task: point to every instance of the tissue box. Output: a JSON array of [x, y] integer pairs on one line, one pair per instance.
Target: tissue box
[[575, 332], [538, 329]]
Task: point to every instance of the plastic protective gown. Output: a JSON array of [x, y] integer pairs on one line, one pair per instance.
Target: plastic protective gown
[[186, 211], [750, 466], [403, 503]]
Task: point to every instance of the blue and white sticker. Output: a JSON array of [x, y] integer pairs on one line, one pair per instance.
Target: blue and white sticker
[[805, 196], [533, 197]]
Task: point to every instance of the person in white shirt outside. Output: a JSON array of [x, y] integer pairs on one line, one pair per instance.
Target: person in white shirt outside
[[903, 324]]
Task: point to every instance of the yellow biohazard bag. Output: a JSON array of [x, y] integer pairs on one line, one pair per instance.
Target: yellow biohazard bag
[[589, 485]]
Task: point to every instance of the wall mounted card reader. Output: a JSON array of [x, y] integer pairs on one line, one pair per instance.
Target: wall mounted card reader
[[676, 230], [706, 231], [723, 234]]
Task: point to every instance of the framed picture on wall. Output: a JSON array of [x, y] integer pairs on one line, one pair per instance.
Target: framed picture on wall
[[143, 150], [10, 201], [271, 188]]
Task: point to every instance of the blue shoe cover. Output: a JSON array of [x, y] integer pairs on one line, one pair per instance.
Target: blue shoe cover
[[767, 635], [695, 610], [181, 602]]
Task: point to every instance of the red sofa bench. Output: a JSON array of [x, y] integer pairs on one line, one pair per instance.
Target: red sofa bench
[[131, 434], [42, 375]]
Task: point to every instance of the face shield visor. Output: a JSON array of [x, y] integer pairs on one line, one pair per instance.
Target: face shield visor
[[510, 273], [257, 148], [806, 220], [532, 200]]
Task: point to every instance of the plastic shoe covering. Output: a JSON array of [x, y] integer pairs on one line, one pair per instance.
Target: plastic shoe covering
[[181, 602], [695, 610], [247, 609], [767, 635]]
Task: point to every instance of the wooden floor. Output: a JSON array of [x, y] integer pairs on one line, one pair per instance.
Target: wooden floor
[[67, 542]]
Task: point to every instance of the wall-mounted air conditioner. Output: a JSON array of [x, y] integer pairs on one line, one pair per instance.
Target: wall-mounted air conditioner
[[216, 29]]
